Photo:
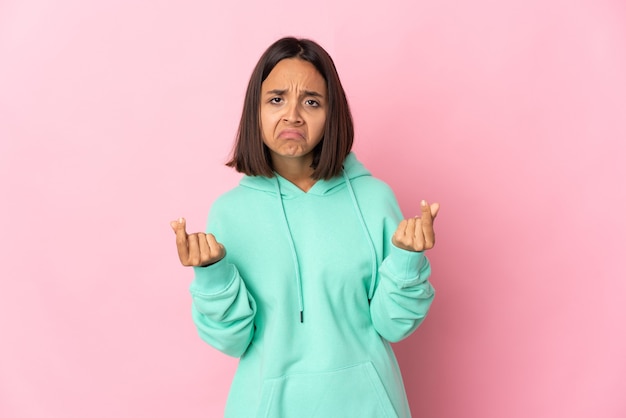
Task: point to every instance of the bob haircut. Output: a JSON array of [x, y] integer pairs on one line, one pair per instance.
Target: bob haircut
[[250, 154]]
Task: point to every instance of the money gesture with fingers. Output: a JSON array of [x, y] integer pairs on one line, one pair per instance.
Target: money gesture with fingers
[[198, 249], [417, 234]]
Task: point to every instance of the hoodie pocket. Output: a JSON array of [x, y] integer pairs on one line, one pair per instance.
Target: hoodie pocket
[[354, 391]]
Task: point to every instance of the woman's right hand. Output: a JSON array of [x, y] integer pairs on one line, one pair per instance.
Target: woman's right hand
[[198, 249]]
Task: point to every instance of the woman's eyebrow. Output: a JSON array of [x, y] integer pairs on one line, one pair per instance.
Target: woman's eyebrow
[[312, 93], [276, 92], [281, 92]]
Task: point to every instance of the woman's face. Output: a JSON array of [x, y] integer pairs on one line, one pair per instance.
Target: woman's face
[[293, 110]]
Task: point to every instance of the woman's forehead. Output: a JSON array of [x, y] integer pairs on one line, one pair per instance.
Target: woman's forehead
[[294, 73]]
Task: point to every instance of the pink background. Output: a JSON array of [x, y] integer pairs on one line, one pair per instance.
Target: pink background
[[117, 116]]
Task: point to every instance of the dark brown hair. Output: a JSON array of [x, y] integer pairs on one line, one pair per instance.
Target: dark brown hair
[[251, 156]]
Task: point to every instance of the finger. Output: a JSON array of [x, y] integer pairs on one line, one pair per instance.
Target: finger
[[418, 235], [409, 233], [427, 231], [429, 237], [204, 249], [217, 249], [182, 244], [398, 236], [410, 227], [212, 241], [427, 216], [194, 250], [401, 231]]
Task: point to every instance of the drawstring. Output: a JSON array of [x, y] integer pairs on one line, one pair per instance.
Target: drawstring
[[294, 255], [293, 252], [357, 209]]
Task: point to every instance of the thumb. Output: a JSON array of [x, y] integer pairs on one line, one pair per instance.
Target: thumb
[[434, 209], [179, 226]]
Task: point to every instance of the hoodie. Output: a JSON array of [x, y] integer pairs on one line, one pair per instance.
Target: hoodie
[[310, 295]]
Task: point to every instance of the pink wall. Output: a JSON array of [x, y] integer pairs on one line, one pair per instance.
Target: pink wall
[[116, 117]]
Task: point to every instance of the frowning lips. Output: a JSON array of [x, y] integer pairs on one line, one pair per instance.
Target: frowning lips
[[291, 134]]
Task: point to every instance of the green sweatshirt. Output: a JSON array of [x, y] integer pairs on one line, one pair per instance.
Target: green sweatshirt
[[310, 295]]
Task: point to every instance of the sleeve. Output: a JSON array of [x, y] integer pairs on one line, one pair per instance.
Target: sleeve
[[403, 294], [222, 308]]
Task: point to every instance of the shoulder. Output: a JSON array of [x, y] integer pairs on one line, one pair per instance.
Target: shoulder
[[233, 198], [363, 182], [230, 209], [372, 187], [251, 196], [375, 198]]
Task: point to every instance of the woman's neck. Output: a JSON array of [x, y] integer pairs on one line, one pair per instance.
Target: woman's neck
[[297, 171]]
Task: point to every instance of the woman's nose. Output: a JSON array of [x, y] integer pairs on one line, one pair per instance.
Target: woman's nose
[[292, 114]]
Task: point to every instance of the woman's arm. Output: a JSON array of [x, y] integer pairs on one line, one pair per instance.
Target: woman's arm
[[222, 309], [403, 295]]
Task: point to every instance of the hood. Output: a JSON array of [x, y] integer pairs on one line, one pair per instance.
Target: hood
[[352, 168]]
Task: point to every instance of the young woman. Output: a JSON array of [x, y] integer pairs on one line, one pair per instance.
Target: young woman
[[307, 271]]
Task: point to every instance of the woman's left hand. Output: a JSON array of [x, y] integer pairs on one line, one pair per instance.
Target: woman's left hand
[[417, 234]]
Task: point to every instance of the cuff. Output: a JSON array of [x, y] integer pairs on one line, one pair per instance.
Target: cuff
[[213, 279], [406, 266]]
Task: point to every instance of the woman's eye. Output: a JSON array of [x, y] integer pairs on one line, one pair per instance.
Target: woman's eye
[[275, 100], [311, 102]]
